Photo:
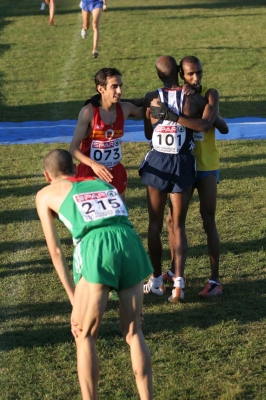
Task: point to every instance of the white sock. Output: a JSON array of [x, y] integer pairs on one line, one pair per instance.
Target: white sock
[[179, 282], [215, 282], [170, 273], [157, 281]]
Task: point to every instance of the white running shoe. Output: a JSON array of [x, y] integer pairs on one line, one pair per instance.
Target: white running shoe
[[42, 7], [83, 33], [150, 288], [177, 295]]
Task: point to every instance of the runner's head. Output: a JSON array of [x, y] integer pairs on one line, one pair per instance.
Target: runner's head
[[167, 68], [191, 72], [58, 163], [109, 84]]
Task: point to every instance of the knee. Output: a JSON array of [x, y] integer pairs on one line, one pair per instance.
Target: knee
[[155, 227], [95, 26], [129, 333], [83, 333], [208, 222]]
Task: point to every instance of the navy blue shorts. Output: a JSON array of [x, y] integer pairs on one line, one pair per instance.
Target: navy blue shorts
[[169, 173], [203, 174]]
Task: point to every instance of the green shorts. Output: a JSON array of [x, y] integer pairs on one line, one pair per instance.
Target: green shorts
[[113, 256]]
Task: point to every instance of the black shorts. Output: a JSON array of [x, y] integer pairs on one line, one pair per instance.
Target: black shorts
[[170, 173]]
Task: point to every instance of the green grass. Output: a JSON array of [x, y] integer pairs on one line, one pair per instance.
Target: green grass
[[47, 72], [200, 349]]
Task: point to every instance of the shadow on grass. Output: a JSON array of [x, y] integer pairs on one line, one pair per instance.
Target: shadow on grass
[[247, 158], [69, 110], [234, 306], [27, 190], [244, 172], [28, 9], [22, 245], [196, 5], [24, 215], [35, 267], [20, 177]]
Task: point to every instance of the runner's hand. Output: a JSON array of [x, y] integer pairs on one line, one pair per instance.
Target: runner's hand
[[163, 112], [74, 328], [187, 89], [102, 172]]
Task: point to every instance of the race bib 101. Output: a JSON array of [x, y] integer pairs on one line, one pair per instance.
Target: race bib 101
[[168, 138]]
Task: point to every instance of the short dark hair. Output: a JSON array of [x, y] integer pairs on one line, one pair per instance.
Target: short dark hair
[[189, 60], [101, 76], [58, 162]]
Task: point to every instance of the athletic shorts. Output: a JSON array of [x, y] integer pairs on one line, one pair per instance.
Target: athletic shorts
[[203, 174], [113, 256], [170, 173], [90, 5], [119, 175]]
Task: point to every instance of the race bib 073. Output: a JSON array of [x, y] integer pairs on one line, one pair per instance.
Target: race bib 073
[[108, 153]]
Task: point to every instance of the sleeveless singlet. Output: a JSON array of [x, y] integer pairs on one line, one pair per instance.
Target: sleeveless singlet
[[171, 137], [90, 204], [206, 151], [103, 145]]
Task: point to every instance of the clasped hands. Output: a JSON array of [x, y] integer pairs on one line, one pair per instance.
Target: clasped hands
[[164, 112]]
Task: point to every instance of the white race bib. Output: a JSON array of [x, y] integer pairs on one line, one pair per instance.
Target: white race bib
[[198, 136], [168, 138], [96, 205], [108, 153]]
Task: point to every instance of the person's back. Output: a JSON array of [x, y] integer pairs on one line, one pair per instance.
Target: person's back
[[168, 168], [207, 161], [108, 254], [170, 137], [91, 203]]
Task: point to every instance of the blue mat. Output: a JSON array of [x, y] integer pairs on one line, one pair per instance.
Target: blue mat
[[62, 131]]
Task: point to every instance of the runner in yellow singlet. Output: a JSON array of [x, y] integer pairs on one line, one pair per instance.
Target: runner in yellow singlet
[[207, 177]]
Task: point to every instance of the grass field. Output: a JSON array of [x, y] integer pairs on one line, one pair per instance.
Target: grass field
[[200, 349], [47, 72]]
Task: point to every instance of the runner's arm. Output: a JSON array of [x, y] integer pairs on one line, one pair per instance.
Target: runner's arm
[[54, 245], [148, 128], [209, 112], [137, 102], [221, 125], [130, 110]]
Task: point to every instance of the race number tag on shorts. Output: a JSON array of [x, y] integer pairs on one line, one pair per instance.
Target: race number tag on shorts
[[168, 138], [96, 205], [108, 153], [198, 136]]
